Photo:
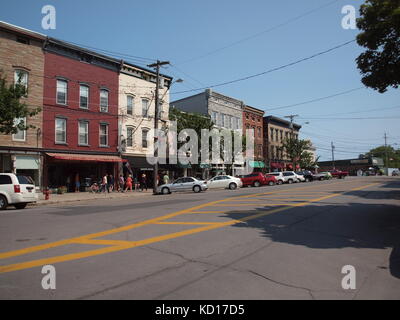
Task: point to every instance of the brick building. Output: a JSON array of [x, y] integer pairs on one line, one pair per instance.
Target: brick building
[[21, 57], [80, 104], [253, 119], [276, 130]]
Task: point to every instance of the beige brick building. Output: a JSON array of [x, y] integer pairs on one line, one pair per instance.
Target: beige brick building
[[21, 57]]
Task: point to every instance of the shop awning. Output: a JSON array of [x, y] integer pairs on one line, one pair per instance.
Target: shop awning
[[84, 157], [257, 164], [277, 165]]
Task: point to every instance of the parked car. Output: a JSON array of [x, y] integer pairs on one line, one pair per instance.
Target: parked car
[[226, 182], [256, 179], [290, 177], [299, 177], [278, 176], [339, 174], [321, 176], [16, 190], [395, 173], [306, 174], [271, 180], [183, 184]]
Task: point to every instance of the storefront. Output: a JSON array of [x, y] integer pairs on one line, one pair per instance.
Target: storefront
[[62, 170]]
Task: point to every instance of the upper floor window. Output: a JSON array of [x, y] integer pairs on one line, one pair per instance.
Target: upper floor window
[[61, 130], [83, 133], [259, 132], [222, 124], [21, 78], [21, 134], [272, 134], [103, 135], [84, 96], [129, 105], [129, 136], [145, 138], [62, 91], [145, 108], [104, 100]]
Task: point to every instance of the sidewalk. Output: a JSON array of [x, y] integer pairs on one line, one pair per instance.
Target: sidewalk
[[85, 196]]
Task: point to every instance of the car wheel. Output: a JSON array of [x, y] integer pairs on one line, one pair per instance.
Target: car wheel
[[307, 180], [271, 183], [290, 181], [257, 184], [20, 206], [320, 179], [280, 182], [196, 189], [3, 203], [165, 191], [232, 186]]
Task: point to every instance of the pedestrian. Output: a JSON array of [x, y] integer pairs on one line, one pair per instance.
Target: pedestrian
[[166, 178], [121, 183], [111, 182], [136, 182], [144, 182], [128, 183], [77, 183], [104, 184]]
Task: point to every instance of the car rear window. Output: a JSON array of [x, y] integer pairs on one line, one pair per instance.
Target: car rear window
[[25, 180], [5, 179]]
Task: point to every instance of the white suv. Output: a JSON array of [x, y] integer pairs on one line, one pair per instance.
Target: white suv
[[16, 190], [290, 177], [279, 177]]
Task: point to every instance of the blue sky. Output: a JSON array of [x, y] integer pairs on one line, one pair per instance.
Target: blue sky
[[188, 33]]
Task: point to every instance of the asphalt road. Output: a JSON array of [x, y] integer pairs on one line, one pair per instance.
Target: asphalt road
[[281, 242]]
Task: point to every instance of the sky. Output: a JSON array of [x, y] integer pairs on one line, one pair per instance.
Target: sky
[[211, 42]]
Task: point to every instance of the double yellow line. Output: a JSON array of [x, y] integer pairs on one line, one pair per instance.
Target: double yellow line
[[117, 245]]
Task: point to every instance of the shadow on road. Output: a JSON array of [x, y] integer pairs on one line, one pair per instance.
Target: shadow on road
[[356, 224]]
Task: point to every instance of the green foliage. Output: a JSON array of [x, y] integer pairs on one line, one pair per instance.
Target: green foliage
[[193, 121], [12, 108], [393, 156], [296, 150], [380, 26]]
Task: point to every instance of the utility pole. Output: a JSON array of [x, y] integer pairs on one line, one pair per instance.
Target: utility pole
[[386, 155], [291, 117], [157, 66], [333, 156]]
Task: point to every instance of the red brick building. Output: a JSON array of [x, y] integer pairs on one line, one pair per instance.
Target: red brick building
[[80, 115], [253, 119]]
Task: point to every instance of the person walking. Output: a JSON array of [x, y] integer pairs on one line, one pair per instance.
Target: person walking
[[137, 184], [166, 178], [77, 182], [111, 182], [128, 183], [144, 182], [104, 184], [121, 183]]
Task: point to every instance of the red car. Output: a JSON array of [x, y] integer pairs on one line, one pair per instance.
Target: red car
[[257, 179], [339, 174]]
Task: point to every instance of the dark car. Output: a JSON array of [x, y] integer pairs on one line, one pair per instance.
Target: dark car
[[306, 174], [256, 179]]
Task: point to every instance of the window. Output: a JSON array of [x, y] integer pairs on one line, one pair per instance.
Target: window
[[5, 179], [84, 96], [145, 108], [103, 100], [144, 138], [104, 135], [83, 133], [129, 137], [62, 91], [222, 123], [61, 130], [129, 105], [281, 135], [272, 134], [21, 78], [259, 132], [21, 134], [238, 123], [214, 117]]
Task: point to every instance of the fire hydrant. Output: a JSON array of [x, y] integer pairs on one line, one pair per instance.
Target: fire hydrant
[[46, 193]]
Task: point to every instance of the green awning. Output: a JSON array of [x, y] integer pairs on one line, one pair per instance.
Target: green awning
[[257, 164], [205, 166], [184, 166]]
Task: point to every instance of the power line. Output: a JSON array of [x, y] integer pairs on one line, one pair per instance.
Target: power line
[[270, 70], [260, 33]]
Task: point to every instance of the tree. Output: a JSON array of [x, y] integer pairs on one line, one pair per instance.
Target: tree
[[380, 25], [296, 150], [393, 156], [307, 161], [11, 107]]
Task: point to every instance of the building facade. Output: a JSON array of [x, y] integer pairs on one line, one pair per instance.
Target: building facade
[[22, 60], [80, 115], [276, 130], [253, 120], [136, 116], [226, 113]]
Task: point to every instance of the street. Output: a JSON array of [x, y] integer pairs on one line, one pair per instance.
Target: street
[[280, 242]]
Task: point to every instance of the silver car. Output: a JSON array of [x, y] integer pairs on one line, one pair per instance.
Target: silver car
[[183, 184], [226, 182]]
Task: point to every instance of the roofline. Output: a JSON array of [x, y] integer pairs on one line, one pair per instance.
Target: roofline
[[145, 69], [254, 109], [16, 29], [273, 118]]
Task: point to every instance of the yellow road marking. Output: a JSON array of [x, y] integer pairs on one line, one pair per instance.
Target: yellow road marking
[[127, 245], [187, 223], [251, 204], [103, 242], [199, 212]]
